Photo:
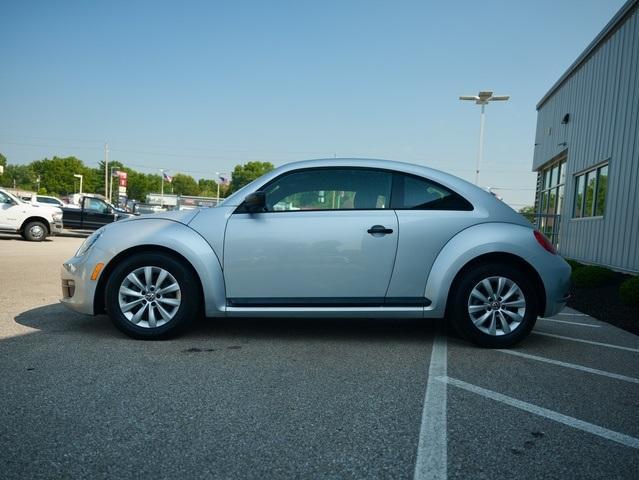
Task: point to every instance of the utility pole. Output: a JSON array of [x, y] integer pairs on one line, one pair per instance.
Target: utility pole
[[111, 186], [106, 169], [162, 188]]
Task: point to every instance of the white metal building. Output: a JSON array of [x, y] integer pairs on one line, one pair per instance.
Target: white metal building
[[587, 150]]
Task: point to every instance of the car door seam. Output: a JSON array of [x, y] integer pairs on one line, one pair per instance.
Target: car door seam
[[390, 278]]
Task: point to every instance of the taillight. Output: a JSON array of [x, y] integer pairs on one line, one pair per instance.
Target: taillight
[[544, 242]]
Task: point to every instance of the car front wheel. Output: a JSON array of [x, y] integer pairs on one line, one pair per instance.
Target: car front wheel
[[152, 296], [35, 231], [494, 306]]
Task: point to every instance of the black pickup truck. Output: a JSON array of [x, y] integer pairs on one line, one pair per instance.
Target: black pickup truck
[[91, 214]]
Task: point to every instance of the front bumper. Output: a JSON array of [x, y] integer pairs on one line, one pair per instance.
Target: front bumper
[[56, 227], [78, 289]]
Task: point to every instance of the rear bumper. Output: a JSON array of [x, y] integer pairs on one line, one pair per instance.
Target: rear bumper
[[558, 285]]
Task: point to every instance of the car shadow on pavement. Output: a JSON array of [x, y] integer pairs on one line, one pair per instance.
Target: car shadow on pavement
[[16, 237], [55, 318]]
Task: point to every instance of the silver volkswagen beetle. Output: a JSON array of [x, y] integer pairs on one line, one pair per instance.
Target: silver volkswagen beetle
[[327, 238]]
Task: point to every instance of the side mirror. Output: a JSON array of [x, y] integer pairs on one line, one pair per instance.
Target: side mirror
[[255, 202]]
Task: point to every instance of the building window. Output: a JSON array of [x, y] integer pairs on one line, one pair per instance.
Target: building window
[[590, 193], [550, 198]]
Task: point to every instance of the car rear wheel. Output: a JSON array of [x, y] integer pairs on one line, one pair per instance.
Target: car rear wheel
[[494, 305], [152, 296], [35, 231]]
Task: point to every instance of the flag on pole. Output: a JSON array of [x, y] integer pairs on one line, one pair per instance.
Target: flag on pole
[[166, 176]]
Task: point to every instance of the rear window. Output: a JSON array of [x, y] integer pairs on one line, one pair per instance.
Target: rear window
[[415, 193]]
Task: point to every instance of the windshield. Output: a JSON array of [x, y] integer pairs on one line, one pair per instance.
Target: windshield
[[13, 197]]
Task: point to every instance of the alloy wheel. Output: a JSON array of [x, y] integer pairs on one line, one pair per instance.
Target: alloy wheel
[[149, 297], [497, 306]]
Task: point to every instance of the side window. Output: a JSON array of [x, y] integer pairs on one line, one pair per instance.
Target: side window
[[96, 205], [5, 198], [330, 189], [416, 193]]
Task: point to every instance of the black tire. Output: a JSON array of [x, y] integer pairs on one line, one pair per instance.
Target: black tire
[[35, 231], [189, 291], [461, 296]]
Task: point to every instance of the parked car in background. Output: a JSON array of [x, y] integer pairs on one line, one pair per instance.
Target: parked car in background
[[33, 222], [47, 200], [91, 214], [327, 238]]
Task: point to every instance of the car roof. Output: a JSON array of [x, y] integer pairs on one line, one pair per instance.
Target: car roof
[[454, 183], [477, 196]]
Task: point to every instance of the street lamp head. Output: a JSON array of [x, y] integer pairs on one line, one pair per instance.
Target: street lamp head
[[484, 97]]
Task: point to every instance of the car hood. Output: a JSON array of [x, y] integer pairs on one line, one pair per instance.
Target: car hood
[[182, 216], [49, 208]]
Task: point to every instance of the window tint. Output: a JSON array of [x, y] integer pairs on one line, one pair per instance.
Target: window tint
[[330, 189], [5, 198], [590, 193], [579, 196], [421, 194], [47, 200], [602, 187], [95, 205]]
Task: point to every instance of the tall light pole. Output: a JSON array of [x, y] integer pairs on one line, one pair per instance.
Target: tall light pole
[[106, 170], [77, 175], [218, 185], [162, 171], [482, 98]]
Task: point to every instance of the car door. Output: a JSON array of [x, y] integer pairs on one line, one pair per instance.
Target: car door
[[8, 218], [326, 238], [96, 213], [429, 215]]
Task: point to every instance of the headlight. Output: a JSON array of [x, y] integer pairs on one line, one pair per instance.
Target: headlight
[[57, 217], [89, 242]]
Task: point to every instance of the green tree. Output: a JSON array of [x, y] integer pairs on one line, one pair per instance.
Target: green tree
[[3, 160], [208, 188], [184, 185], [20, 176], [245, 174], [529, 213], [56, 175]]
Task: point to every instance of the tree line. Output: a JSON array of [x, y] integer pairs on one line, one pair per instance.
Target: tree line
[[54, 176]]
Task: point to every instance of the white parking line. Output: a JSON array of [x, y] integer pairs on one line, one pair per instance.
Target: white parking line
[[573, 314], [431, 462], [616, 376], [602, 432], [636, 350], [570, 323]]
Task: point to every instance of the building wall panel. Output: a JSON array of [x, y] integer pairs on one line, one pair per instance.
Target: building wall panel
[[602, 98]]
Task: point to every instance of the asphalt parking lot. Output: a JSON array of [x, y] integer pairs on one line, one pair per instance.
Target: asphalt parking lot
[[302, 399]]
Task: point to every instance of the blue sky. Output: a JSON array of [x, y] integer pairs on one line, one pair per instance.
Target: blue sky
[[198, 87]]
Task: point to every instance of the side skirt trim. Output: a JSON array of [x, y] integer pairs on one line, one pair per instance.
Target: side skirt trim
[[335, 302]]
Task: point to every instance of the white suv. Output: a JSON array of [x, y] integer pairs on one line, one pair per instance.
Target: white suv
[[33, 222]]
